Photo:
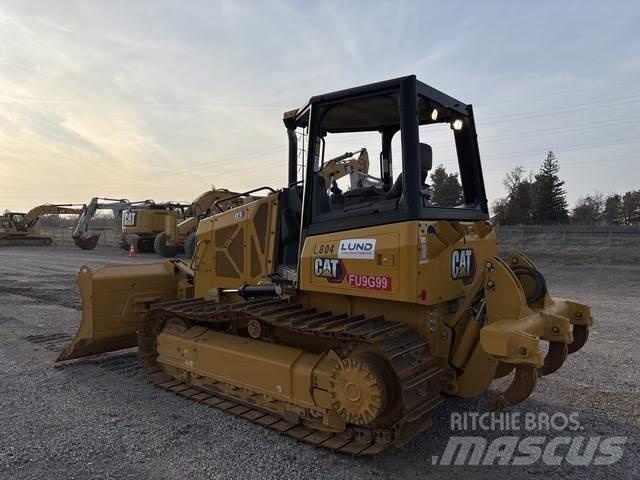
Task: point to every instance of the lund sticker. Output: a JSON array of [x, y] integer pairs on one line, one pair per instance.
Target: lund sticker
[[358, 248]]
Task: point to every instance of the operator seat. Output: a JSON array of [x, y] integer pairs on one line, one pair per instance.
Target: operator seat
[[426, 162]]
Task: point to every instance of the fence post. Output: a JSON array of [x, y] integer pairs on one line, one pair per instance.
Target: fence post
[[610, 248]]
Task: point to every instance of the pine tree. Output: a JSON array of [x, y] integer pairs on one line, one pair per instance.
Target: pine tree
[[613, 209], [447, 191], [550, 205]]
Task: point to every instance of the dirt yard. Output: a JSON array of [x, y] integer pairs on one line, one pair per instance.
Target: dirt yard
[[98, 418]]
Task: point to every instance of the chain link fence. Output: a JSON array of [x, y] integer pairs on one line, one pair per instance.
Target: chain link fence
[[572, 245], [566, 245], [62, 236]]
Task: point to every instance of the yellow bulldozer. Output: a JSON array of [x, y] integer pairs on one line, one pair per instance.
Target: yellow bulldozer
[[342, 316], [23, 229]]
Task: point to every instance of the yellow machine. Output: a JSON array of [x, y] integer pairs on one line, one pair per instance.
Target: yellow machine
[[84, 236], [181, 235], [342, 317], [180, 232], [22, 228], [143, 222]]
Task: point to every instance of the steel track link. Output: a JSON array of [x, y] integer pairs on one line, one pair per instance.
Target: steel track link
[[406, 352]]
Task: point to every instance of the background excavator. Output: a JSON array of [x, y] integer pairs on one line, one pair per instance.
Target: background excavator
[[22, 228], [141, 223], [180, 231], [180, 235], [343, 317], [82, 234]]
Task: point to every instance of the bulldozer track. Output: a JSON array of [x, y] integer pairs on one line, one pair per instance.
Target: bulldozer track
[[405, 351]]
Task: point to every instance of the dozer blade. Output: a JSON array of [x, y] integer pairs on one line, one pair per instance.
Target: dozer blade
[[88, 242], [114, 300]]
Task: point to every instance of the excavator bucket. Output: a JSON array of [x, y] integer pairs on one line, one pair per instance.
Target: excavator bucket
[[88, 242], [114, 300]]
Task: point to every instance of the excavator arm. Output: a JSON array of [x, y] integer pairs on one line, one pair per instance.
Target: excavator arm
[[33, 215], [81, 235], [344, 165]]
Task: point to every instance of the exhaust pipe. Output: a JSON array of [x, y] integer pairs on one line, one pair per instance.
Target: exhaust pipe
[[289, 119], [293, 156]]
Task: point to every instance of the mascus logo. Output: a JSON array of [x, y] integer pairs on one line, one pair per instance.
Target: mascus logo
[[463, 265]]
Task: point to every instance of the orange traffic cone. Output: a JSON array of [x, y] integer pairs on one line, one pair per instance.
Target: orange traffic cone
[[132, 251]]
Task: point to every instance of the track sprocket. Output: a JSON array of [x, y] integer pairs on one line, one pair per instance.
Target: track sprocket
[[358, 391]]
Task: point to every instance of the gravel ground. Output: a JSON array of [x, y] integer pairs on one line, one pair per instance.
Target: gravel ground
[[99, 418]]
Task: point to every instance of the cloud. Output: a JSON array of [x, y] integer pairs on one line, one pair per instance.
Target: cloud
[[161, 99]]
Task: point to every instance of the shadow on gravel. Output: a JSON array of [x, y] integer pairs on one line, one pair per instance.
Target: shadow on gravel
[[63, 297], [56, 342], [120, 363]]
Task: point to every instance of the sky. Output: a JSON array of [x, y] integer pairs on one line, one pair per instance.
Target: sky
[[163, 99]]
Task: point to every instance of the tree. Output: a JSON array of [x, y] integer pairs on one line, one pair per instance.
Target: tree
[[447, 191], [550, 205], [588, 210], [631, 207], [612, 209], [501, 211], [517, 208]]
